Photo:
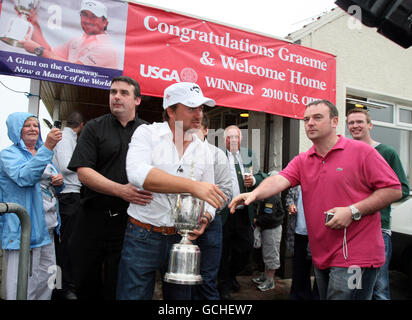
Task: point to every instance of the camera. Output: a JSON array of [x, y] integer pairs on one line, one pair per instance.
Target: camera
[[328, 216], [57, 124]]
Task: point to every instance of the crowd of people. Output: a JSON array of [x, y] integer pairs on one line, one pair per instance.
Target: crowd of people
[[100, 196]]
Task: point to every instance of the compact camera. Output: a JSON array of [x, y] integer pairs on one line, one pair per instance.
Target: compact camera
[[57, 124], [328, 216]]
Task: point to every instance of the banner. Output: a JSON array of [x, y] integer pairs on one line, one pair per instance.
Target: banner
[[75, 49], [237, 68]]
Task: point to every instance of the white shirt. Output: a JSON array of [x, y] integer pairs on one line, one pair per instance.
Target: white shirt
[[235, 182], [152, 146], [49, 196], [63, 152], [223, 176]]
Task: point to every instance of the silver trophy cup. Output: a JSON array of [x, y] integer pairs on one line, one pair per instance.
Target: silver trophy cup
[[184, 260], [18, 27]]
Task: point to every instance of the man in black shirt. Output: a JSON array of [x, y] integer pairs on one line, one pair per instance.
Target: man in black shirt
[[100, 162]]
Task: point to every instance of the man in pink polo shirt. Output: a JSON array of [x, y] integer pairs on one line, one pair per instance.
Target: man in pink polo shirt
[[353, 182], [93, 48]]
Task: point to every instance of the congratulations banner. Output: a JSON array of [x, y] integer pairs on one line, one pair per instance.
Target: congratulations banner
[[237, 68]]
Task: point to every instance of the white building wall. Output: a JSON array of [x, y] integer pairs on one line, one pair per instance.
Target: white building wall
[[366, 61]]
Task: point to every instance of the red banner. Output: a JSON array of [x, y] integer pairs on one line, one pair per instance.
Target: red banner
[[237, 68]]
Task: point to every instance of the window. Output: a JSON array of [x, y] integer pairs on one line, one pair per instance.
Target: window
[[392, 125], [384, 113], [405, 117], [400, 140]]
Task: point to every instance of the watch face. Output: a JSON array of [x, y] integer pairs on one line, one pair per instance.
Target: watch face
[[356, 215], [38, 51]]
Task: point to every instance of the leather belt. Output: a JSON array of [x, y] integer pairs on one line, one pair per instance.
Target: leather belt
[[162, 230]]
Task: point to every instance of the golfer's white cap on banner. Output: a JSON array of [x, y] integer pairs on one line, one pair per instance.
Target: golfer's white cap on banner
[[95, 7]]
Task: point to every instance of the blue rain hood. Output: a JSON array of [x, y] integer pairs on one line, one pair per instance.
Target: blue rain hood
[[15, 122]]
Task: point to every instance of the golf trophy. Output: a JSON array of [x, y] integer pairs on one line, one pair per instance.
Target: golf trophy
[[19, 27], [184, 261]]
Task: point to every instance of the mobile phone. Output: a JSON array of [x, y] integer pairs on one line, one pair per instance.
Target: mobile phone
[[57, 124], [328, 216]]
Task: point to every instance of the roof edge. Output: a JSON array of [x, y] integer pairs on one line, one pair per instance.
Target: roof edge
[[321, 21]]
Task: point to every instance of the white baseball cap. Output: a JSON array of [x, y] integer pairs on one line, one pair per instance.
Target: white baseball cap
[[186, 93], [95, 7]]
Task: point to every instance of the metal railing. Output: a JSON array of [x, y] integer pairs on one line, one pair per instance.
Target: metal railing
[[24, 253]]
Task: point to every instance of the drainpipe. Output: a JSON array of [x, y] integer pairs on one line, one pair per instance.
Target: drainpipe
[[24, 252]]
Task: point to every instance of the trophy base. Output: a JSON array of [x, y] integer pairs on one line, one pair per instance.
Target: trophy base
[[181, 278], [11, 42], [184, 265]]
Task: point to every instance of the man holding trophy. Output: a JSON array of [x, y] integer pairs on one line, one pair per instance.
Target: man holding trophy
[[171, 161]]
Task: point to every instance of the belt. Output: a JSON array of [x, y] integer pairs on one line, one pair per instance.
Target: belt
[[162, 230]]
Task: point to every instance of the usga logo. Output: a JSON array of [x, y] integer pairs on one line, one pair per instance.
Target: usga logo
[[187, 74]]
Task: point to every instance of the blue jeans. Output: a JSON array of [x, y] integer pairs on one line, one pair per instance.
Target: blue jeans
[[337, 283], [145, 252], [210, 245], [381, 290]]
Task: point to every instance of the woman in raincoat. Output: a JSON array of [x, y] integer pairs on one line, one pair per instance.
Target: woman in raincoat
[[28, 178]]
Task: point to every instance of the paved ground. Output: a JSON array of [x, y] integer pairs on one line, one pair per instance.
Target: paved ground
[[248, 290], [400, 289], [400, 286]]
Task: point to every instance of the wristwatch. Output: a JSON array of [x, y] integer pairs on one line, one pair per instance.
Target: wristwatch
[[39, 51], [209, 221], [356, 215]]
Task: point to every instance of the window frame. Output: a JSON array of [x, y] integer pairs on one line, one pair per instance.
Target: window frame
[[399, 122]]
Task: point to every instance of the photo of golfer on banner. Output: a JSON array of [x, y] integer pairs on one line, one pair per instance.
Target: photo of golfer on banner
[[85, 34]]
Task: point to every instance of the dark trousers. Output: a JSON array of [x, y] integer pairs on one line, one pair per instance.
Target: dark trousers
[[144, 253], [69, 207], [97, 245], [210, 245], [236, 249], [301, 288]]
